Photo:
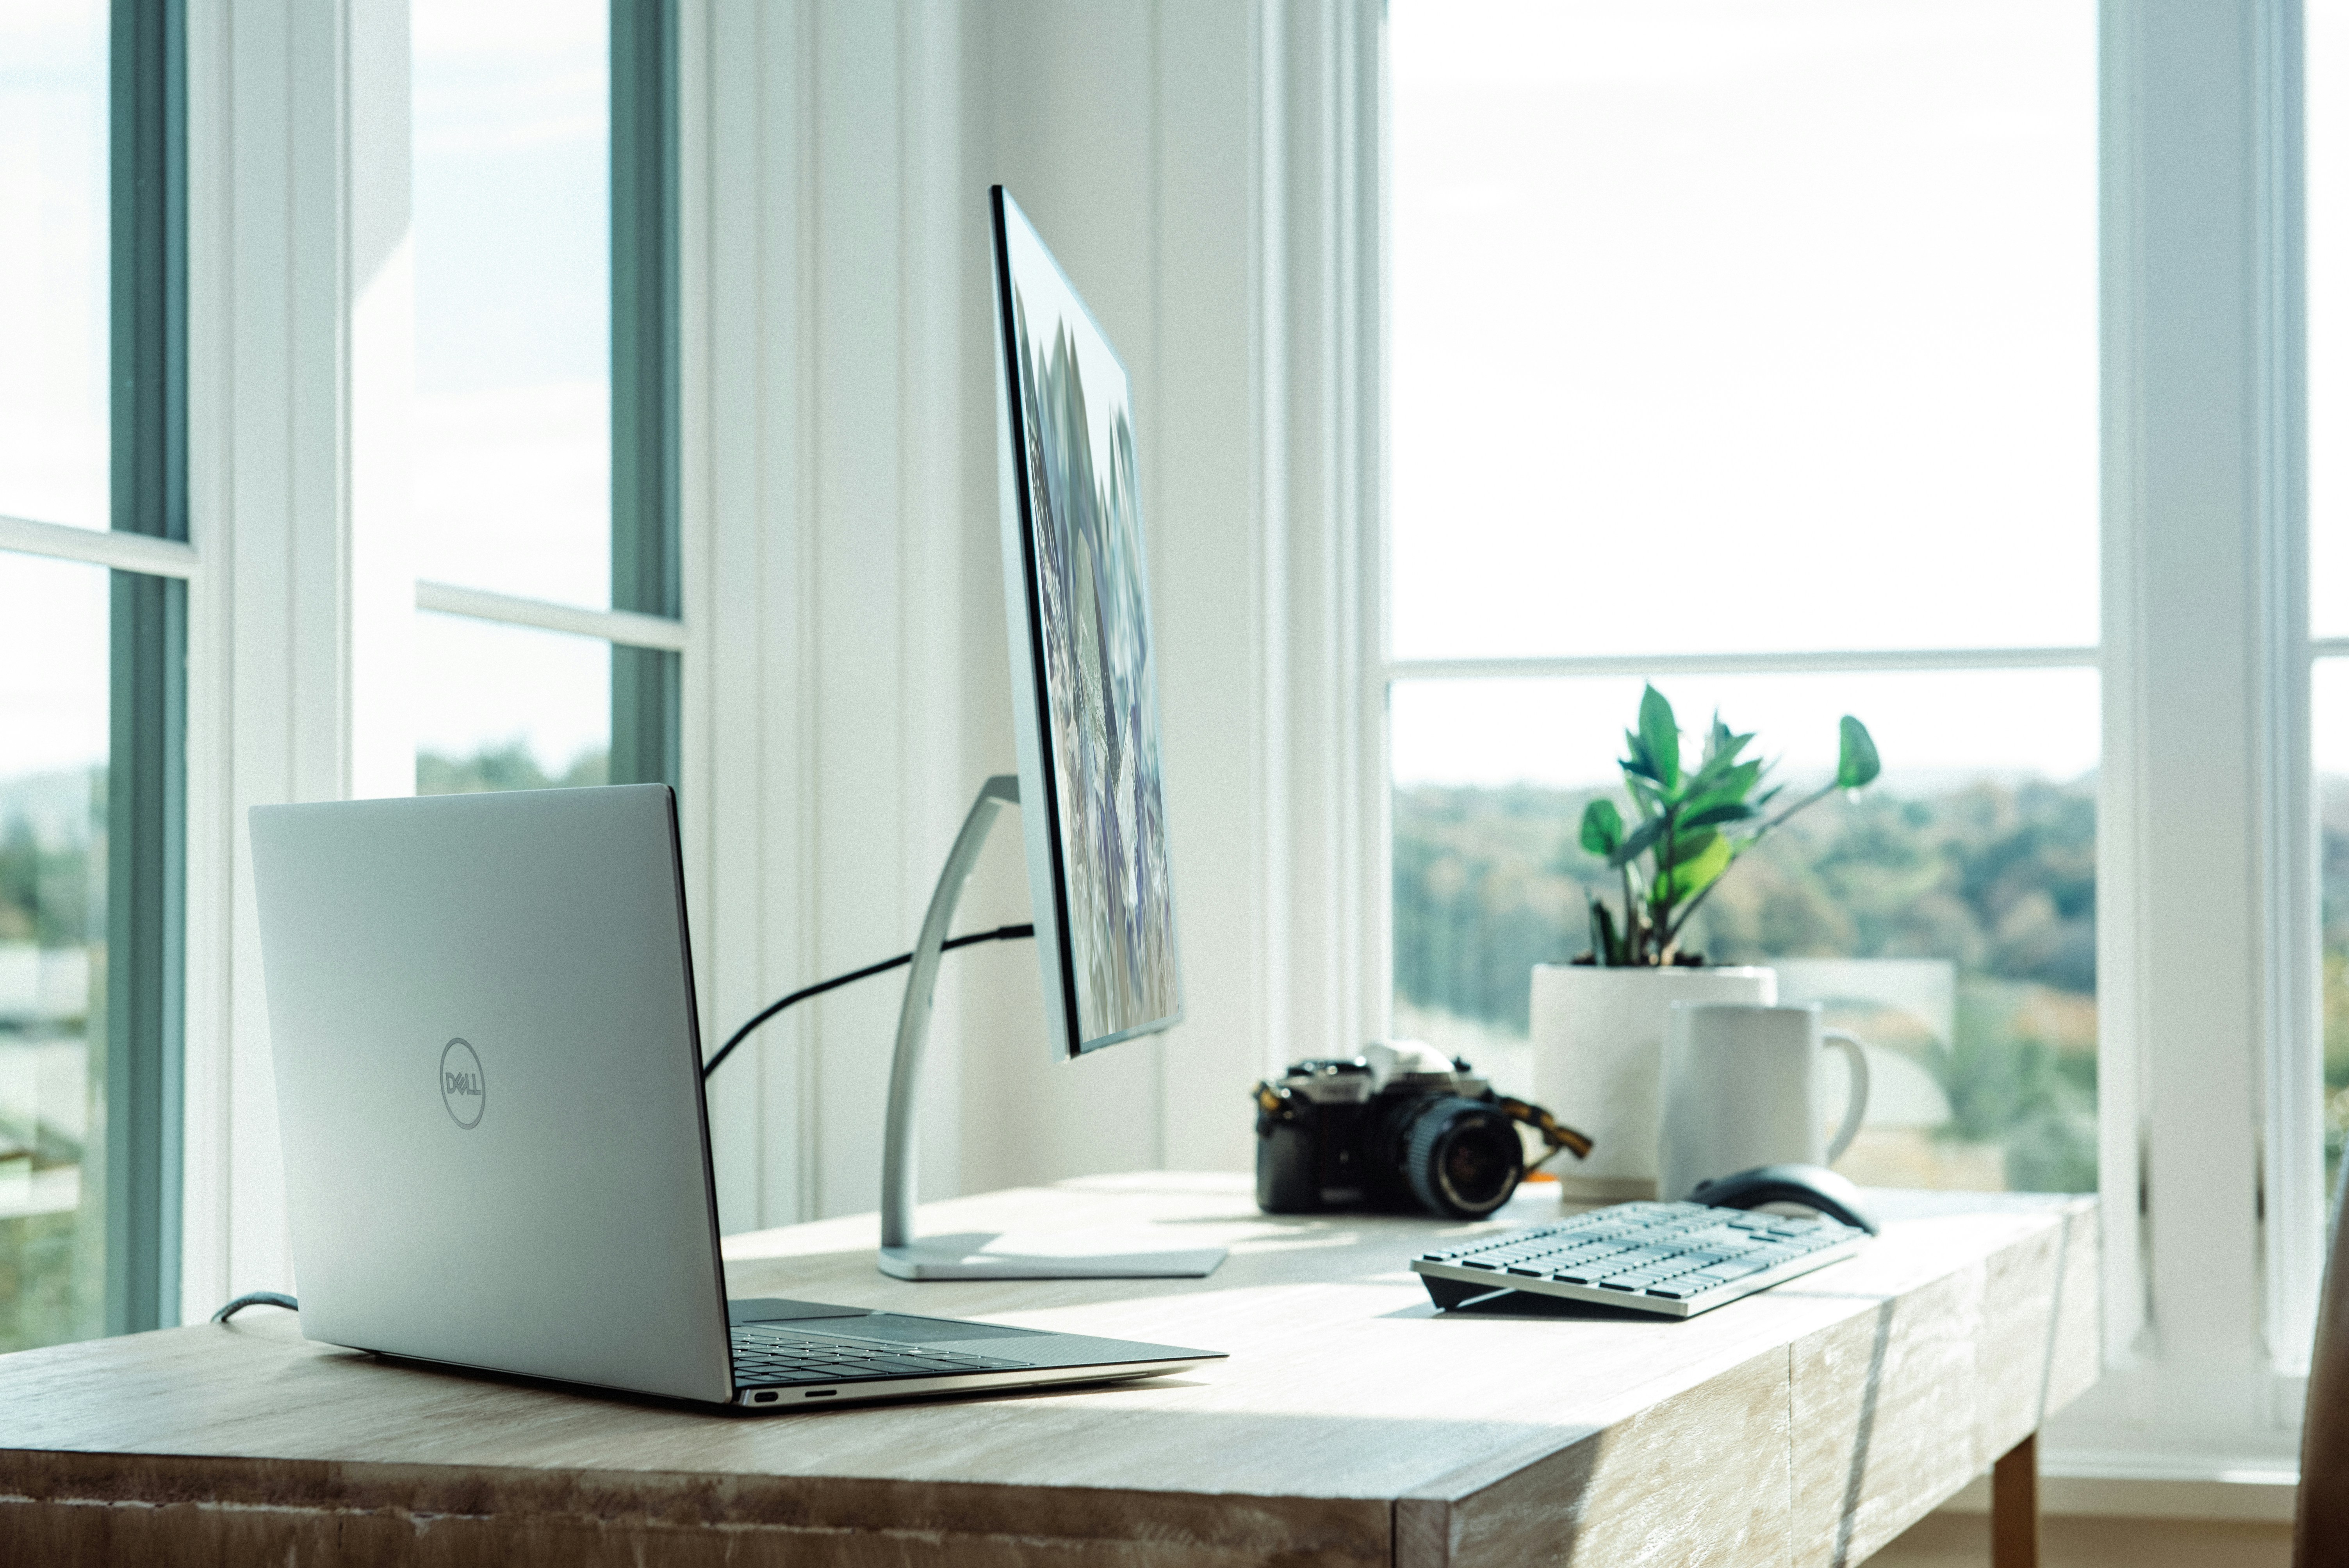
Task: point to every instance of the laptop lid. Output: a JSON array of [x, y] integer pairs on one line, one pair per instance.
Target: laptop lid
[[488, 1084]]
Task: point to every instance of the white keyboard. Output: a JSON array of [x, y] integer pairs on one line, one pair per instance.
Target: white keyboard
[[1672, 1259]]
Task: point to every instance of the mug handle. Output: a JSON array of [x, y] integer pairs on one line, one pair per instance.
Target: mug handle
[[1856, 1111]]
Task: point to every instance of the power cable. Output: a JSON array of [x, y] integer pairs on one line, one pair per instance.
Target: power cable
[[1001, 934]]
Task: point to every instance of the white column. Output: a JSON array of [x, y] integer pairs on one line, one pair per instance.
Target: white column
[[2203, 827], [299, 341]]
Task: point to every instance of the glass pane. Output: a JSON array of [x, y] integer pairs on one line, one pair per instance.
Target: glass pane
[[54, 649], [53, 262], [2330, 742], [1947, 915], [513, 223], [508, 707], [1665, 321], [2327, 25]]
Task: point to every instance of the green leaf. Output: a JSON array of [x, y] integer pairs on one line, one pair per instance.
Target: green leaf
[[1722, 744], [1692, 876], [1602, 827], [1714, 816], [1638, 844], [1731, 784], [1688, 845], [1720, 763], [1858, 765], [1659, 736]]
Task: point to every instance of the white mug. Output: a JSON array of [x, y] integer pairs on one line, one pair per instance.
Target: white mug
[[1742, 1089]]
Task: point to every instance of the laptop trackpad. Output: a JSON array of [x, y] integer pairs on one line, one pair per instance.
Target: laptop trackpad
[[773, 1309]]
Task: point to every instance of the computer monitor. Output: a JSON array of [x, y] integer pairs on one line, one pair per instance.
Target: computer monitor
[[1093, 806], [1083, 683]]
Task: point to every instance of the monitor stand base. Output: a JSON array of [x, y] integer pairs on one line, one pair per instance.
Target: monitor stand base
[[981, 1256]]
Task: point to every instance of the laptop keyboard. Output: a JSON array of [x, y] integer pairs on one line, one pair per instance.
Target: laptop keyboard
[[1675, 1259], [768, 1357]]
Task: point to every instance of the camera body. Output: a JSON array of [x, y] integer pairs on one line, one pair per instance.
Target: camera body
[[1399, 1128]]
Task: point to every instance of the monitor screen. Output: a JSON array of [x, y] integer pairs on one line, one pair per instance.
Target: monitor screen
[[1083, 686]]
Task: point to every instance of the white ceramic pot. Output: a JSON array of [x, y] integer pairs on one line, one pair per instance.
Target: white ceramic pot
[[1598, 1062]]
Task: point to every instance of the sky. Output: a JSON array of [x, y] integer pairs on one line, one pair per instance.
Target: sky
[[1726, 326], [53, 292], [1683, 360], [512, 432], [1731, 327], [2326, 25]]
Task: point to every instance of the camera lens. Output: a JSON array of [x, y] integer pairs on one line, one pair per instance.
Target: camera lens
[[1464, 1159]]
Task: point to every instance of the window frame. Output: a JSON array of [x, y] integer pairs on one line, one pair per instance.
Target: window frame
[[150, 563], [2206, 776], [302, 594]]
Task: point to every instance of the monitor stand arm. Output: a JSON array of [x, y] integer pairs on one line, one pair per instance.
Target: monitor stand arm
[[977, 1256]]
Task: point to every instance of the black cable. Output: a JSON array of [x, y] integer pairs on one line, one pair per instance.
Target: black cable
[[1001, 934], [258, 1298]]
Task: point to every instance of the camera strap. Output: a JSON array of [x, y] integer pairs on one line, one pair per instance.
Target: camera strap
[[1554, 1132]]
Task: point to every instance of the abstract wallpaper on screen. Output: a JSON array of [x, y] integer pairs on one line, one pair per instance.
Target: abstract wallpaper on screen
[[1100, 686]]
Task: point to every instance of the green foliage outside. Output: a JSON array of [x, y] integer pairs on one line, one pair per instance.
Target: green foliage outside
[[39, 1303], [52, 899], [2333, 805], [46, 897], [1999, 878], [508, 766]]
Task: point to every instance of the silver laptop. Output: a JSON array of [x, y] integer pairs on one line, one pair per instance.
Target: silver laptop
[[488, 1084]]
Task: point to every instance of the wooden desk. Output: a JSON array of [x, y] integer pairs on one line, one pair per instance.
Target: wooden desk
[[1805, 1425]]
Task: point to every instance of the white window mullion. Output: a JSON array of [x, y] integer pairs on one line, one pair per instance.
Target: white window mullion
[[122, 551], [2196, 807], [298, 332], [626, 627], [2294, 1177]]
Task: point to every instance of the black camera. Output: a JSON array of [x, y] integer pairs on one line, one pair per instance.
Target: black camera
[[1398, 1129]]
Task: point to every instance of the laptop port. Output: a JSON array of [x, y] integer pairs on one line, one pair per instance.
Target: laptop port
[[768, 1398], [819, 1393]]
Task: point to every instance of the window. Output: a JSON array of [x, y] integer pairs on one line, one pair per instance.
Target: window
[[2327, 25], [52, 777], [546, 642], [1694, 381], [93, 639]]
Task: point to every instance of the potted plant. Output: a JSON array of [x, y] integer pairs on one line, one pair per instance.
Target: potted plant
[[1598, 1022]]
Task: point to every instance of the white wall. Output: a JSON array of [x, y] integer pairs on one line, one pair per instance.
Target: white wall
[[858, 686], [1195, 166]]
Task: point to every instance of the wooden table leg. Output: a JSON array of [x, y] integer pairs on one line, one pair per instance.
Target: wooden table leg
[[2014, 1507]]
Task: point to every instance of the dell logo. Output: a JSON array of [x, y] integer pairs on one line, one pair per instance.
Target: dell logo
[[461, 1083]]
